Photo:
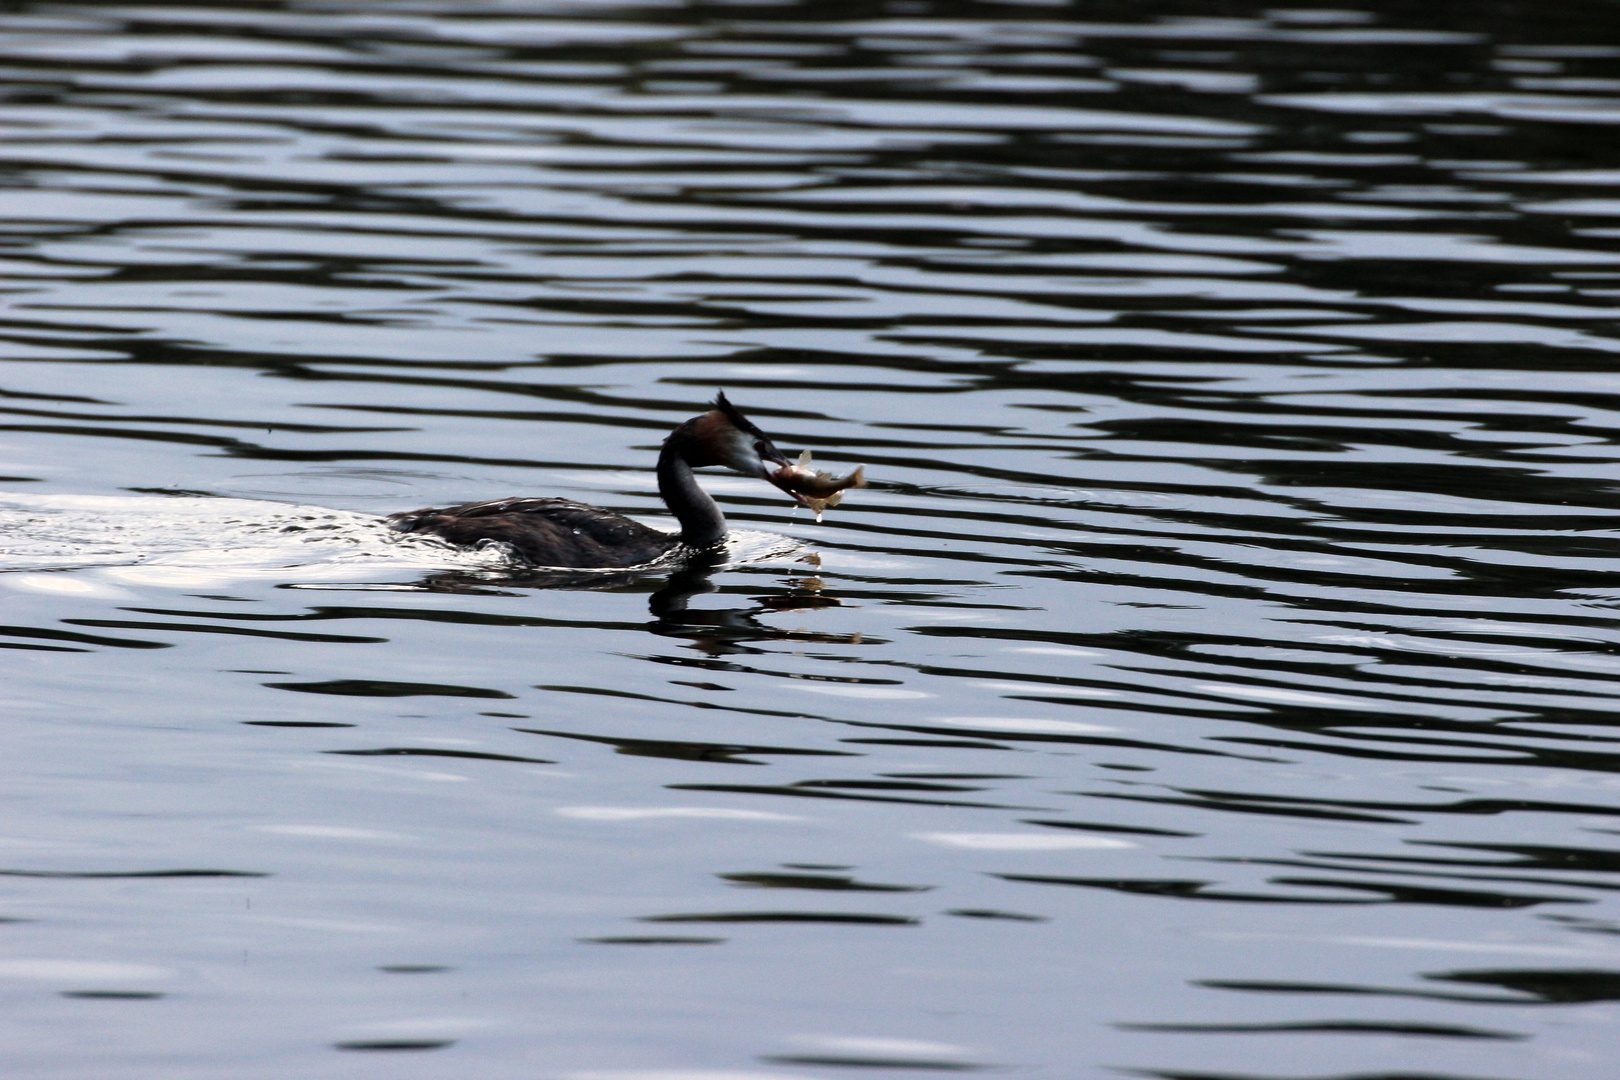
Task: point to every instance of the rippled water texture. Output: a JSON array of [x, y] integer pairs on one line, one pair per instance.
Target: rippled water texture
[[1218, 680]]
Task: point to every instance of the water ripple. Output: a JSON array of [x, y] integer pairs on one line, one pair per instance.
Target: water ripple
[[1237, 396]]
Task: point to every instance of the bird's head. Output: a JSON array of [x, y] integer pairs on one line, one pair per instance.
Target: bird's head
[[724, 436]]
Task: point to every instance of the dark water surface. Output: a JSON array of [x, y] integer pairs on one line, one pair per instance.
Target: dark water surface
[[1220, 678]]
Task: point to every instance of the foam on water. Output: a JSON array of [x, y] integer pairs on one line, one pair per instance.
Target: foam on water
[[187, 541]]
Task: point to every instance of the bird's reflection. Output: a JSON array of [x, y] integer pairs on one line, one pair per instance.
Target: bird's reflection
[[722, 630], [713, 630]]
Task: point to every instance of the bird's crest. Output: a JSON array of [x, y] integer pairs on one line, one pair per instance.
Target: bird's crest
[[738, 420]]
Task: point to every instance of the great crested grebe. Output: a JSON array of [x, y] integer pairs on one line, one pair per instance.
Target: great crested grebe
[[564, 533]]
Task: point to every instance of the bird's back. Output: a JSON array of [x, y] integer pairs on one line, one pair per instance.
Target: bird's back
[[543, 532]]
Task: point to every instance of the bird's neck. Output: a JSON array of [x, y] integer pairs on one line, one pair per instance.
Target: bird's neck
[[702, 523]]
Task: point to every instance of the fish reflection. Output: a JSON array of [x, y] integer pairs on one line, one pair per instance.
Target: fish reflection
[[724, 631]]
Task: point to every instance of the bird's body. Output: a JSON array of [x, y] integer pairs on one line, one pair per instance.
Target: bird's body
[[545, 532], [564, 533]]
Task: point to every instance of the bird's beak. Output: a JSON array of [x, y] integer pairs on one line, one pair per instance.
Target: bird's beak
[[770, 460], [780, 475], [794, 495]]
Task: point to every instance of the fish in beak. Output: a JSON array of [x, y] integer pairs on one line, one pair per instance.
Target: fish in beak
[[735, 442], [812, 488]]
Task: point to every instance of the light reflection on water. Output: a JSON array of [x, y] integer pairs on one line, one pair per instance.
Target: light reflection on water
[[1215, 680]]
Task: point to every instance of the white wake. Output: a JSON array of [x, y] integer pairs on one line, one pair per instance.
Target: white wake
[[191, 541]]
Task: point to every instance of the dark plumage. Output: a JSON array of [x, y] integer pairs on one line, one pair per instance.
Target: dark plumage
[[561, 532], [545, 532]]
